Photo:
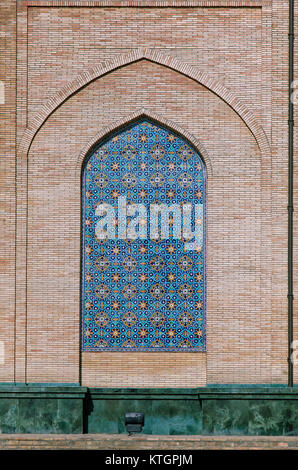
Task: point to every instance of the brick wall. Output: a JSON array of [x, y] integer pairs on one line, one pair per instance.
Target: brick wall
[[242, 45], [295, 215], [138, 442], [7, 185]]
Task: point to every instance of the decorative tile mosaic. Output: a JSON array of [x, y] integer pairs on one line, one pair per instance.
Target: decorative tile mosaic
[[142, 294]]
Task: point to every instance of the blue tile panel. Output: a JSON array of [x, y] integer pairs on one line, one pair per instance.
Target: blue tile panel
[[143, 294]]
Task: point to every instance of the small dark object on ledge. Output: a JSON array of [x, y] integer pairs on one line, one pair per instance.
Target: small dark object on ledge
[[134, 422]]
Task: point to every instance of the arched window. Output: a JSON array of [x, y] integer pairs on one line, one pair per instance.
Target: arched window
[[143, 243]]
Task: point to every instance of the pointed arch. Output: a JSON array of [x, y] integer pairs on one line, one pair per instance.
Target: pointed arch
[[143, 288], [157, 57], [159, 119]]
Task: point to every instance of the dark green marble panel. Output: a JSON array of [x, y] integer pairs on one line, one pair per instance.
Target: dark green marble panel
[[250, 417], [161, 416], [70, 416], [27, 410], [107, 416], [225, 417], [273, 417], [45, 415], [41, 415], [9, 415], [176, 417]]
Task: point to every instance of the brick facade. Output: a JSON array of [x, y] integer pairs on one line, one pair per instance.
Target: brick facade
[[216, 71], [114, 441]]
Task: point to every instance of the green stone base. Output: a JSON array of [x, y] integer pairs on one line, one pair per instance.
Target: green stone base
[[41, 409], [213, 410]]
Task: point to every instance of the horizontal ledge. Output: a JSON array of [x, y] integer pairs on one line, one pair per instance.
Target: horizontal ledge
[[201, 393], [41, 391], [195, 393]]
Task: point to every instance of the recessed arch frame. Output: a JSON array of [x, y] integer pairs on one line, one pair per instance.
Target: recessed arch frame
[[157, 57], [50, 107]]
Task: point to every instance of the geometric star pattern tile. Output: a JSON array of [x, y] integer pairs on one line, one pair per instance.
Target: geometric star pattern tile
[[143, 294]]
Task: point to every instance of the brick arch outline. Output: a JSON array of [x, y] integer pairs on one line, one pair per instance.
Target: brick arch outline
[[55, 102], [130, 118], [157, 57]]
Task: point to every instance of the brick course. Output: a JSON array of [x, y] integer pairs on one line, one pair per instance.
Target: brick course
[[138, 442]]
